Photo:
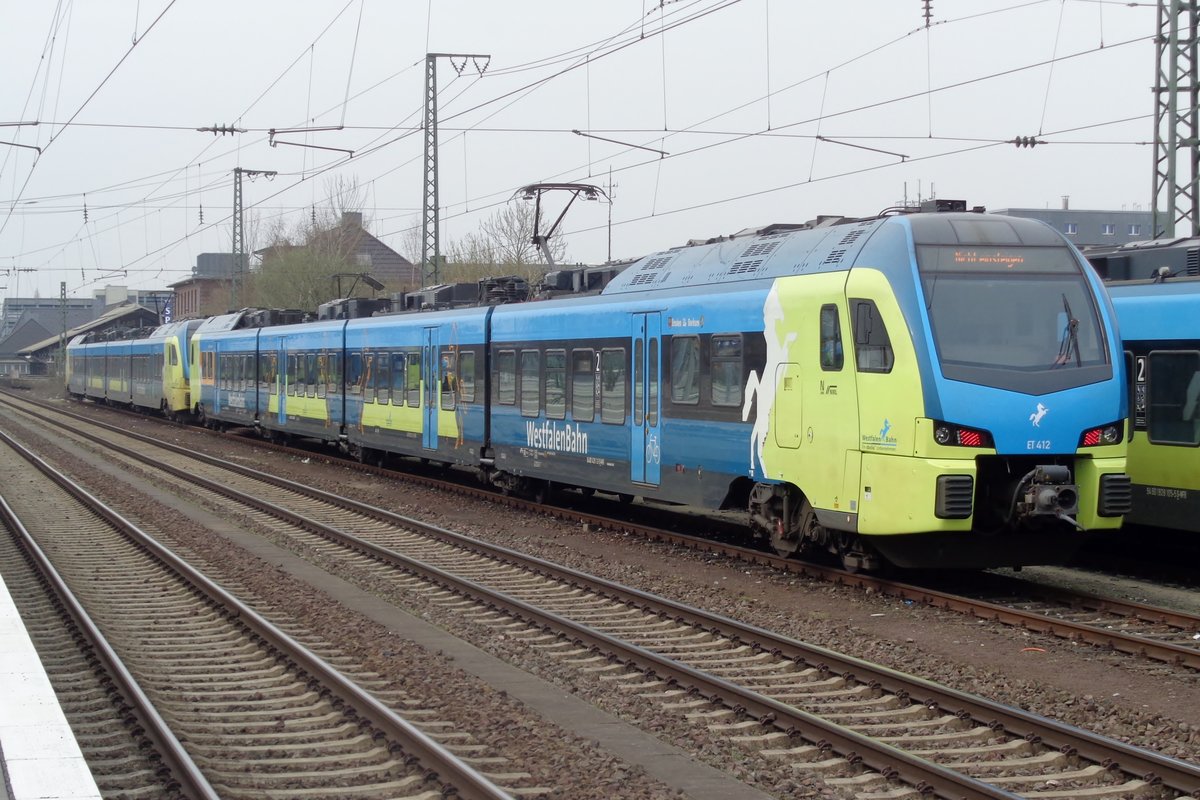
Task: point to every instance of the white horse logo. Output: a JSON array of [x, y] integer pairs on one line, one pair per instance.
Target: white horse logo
[[1036, 417]]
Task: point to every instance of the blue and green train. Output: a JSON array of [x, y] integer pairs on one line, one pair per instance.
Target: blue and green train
[[1160, 328], [938, 390]]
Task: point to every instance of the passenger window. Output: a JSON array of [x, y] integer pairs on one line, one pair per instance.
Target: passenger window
[[383, 377], [872, 347], [174, 356], [506, 377], [613, 380], [335, 373], [639, 382], [531, 363], [685, 370], [368, 378], [354, 371], [290, 373], [1173, 415], [831, 339], [466, 377], [311, 377], [414, 379], [726, 369], [556, 384], [652, 379], [583, 385], [398, 375], [449, 379], [322, 373]]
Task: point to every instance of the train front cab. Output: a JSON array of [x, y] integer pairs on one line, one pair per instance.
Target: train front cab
[[947, 414], [1020, 430], [175, 341]]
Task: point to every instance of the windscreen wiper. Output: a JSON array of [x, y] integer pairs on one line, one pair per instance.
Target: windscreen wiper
[[1070, 338]]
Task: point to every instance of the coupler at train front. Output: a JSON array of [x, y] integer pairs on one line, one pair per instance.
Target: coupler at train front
[[952, 513]]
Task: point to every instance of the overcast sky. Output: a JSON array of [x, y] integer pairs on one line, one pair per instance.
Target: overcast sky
[[736, 93]]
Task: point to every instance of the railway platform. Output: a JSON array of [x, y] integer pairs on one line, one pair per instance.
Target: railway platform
[[39, 757]]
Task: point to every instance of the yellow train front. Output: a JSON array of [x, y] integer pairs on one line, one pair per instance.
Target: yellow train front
[[934, 390]]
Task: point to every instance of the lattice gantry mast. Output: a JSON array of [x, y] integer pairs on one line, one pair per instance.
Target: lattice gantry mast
[[239, 240], [1176, 201], [431, 252]]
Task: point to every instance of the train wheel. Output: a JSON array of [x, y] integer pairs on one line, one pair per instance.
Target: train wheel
[[788, 539], [625, 499], [543, 492]]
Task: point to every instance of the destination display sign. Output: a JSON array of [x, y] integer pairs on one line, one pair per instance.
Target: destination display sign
[[994, 259]]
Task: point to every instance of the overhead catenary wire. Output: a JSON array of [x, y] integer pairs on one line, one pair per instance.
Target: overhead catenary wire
[[672, 132]]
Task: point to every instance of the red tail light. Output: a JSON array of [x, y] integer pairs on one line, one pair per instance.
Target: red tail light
[[945, 433], [1102, 435]]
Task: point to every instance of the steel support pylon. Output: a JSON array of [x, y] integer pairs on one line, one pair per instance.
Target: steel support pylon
[[1176, 202]]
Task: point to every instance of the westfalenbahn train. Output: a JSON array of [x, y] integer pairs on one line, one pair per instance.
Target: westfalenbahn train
[[1155, 287], [929, 390]]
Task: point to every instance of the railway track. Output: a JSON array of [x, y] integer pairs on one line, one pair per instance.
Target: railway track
[[1135, 629], [261, 715], [869, 731]]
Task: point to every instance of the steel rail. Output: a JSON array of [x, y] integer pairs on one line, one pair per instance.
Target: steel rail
[[183, 769], [1173, 772], [459, 778]]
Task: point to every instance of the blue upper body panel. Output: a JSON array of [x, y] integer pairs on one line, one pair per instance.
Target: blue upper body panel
[[465, 326], [1034, 420], [1166, 311]]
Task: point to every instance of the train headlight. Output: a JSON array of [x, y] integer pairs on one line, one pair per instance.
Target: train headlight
[[1102, 435], [950, 435], [942, 434]]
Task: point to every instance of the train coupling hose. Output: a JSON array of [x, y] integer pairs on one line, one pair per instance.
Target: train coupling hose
[[1047, 490]]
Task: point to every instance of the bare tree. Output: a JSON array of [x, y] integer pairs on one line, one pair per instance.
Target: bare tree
[[503, 245], [301, 260]]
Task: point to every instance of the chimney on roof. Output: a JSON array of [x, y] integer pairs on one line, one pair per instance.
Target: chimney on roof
[[351, 219], [1066, 202]]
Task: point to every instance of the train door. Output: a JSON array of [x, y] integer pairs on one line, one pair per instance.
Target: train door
[[429, 388], [645, 452]]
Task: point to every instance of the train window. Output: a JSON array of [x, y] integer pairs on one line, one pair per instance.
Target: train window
[[872, 347], [335, 373], [398, 375], [531, 368], [556, 384], [652, 376], [613, 380], [414, 379], [354, 373], [368, 381], [322, 374], [1173, 415], [639, 383], [449, 377], [466, 377], [685, 369], [264, 370], [725, 367], [174, 355], [289, 374], [583, 385], [383, 377], [310, 373], [506, 377], [832, 358]]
